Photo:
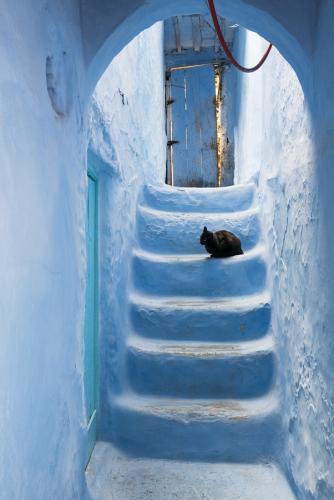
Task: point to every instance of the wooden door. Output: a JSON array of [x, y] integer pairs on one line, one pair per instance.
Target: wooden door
[[192, 126]]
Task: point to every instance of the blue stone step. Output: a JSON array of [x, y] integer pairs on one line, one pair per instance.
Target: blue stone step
[[229, 199], [201, 370], [199, 276], [211, 320], [179, 232], [201, 430]]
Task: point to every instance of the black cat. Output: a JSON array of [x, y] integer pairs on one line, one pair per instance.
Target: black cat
[[221, 243]]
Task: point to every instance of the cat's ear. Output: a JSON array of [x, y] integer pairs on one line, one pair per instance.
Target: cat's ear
[[205, 230]]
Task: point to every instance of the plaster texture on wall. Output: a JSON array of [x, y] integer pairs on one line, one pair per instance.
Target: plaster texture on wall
[[42, 257], [127, 145], [43, 264], [276, 147]]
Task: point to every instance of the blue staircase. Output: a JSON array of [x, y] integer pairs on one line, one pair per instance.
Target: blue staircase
[[200, 363], [200, 357]]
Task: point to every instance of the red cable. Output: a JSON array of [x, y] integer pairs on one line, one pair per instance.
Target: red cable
[[225, 46]]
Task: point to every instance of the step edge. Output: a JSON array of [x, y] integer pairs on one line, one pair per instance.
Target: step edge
[[199, 409], [241, 303], [256, 252], [160, 348], [163, 214], [168, 187]]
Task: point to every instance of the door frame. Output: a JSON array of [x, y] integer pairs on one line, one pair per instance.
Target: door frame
[[91, 424]]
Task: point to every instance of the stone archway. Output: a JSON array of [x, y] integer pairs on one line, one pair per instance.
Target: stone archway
[[107, 27]]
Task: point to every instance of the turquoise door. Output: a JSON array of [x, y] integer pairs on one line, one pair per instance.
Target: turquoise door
[[90, 319]]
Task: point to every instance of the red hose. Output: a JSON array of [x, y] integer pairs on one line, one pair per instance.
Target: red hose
[[225, 46]]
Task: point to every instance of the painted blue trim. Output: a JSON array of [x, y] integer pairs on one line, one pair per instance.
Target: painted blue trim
[[91, 393]]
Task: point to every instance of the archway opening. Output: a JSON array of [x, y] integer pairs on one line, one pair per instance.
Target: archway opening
[[271, 24], [128, 143]]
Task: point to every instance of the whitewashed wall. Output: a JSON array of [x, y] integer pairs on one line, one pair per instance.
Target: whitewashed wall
[[275, 146], [128, 147], [42, 226], [42, 260]]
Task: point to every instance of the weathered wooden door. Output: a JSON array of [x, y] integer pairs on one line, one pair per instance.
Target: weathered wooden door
[[192, 126], [91, 313]]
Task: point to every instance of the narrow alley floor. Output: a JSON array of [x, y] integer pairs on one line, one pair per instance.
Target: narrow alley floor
[[111, 475]]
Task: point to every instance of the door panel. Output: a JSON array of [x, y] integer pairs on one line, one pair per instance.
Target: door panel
[[90, 316], [193, 126]]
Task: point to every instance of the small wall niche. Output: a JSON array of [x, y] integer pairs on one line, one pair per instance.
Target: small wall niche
[[59, 69]]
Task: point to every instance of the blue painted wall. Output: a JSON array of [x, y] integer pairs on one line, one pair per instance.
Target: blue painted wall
[[128, 149], [42, 256], [284, 145], [43, 250]]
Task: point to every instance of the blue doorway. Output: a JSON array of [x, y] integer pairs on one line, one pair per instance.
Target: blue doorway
[[192, 128], [90, 378]]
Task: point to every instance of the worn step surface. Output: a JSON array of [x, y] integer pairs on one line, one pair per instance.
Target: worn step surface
[[179, 232], [209, 200], [206, 319], [197, 370], [200, 429], [199, 276], [112, 475]]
